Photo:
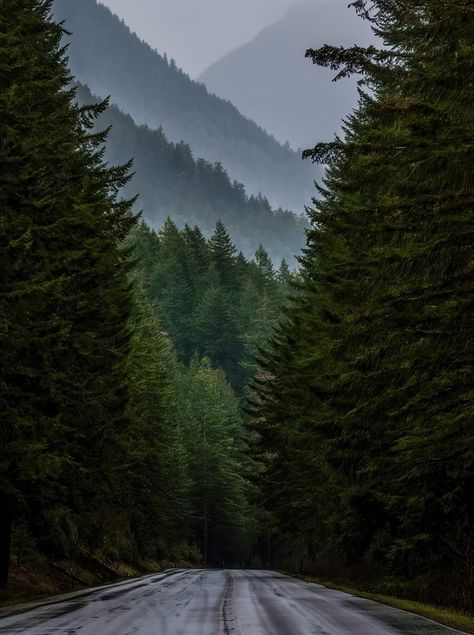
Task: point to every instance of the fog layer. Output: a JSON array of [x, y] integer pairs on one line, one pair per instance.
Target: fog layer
[[198, 33]]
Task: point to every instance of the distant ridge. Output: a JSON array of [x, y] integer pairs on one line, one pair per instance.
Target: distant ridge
[[106, 56], [172, 183], [306, 107]]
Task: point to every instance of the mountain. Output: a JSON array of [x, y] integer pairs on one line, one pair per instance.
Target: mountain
[[172, 183], [270, 80], [111, 60]]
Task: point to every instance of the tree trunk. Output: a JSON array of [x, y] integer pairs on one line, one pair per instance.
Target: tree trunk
[[206, 533], [269, 558], [5, 540]]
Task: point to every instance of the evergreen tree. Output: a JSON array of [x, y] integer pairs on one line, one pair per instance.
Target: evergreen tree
[[266, 273], [156, 477], [223, 254], [100, 416], [173, 287], [283, 273], [196, 242], [367, 381], [64, 294], [216, 330], [201, 315], [213, 423]]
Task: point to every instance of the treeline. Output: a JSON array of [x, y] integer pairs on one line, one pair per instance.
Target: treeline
[[201, 312], [182, 489], [363, 406], [121, 435], [64, 293], [211, 300], [172, 182]]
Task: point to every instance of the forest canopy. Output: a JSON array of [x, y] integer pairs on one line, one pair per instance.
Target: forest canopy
[[124, 350], [363, 405], [167, 398]]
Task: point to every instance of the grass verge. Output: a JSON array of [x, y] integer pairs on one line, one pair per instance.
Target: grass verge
[[448, 617]]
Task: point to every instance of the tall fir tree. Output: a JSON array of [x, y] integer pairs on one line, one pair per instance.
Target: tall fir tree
[[64, 294], [367, 383], [224, 257]]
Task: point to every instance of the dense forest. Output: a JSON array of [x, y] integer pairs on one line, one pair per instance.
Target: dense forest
[[210, 300], [166, 398], [111, 60], [171, 182], [125, 351], [363, 405]]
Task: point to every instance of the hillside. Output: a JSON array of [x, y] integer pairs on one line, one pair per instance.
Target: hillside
[[171, 182], [106, 56], [306, 106]]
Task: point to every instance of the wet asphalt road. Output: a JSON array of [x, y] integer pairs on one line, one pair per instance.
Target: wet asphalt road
[[210, 602]]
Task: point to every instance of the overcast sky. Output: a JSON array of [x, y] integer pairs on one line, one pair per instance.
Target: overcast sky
[[198, 32]]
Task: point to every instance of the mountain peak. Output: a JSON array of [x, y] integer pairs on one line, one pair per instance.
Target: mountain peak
[[106, 56], [306, 106]]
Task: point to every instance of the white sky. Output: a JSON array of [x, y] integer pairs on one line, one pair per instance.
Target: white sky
[[198, 32]]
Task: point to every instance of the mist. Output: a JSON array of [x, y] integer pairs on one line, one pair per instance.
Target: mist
[[196, 34]]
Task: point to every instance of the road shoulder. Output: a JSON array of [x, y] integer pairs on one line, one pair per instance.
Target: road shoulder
[[16, 608], [456, 620]]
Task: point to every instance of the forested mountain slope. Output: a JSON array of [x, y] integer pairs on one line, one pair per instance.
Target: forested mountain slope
[[269, 80], [106, 56], [172, 183], [209, 299], [126, 352]]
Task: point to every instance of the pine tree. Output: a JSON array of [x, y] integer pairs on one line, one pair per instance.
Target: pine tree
[[264, 264], [155, 478], [146, 245], [367, 381], [283, 273], [173, 288], [64, 294], [265, 271], [196, 242], [212, 419], [216, 329], [224, 257]]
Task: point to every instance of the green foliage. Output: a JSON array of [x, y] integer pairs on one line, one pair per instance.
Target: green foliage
[[64, 290], [363, 404], [116, 438], [186, 478], [185, 475], [154, 473], [211, 301], [211, 421]]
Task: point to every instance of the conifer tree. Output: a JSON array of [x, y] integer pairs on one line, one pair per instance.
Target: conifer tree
[[212, 417], [173, 287], [64, 294], [156, 478], [367, 381], [216, 329], [265, 271], [197, 244], [283, 273], [223, 254]]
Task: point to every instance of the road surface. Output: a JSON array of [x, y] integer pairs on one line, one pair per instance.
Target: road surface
[[211, 602]]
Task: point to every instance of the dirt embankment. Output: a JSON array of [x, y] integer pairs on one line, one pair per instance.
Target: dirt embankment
[[43, 577]]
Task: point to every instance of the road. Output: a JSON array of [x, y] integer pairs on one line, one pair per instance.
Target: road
[[211, 602]]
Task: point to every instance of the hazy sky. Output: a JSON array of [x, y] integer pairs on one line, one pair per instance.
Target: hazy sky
[[198, 32]]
